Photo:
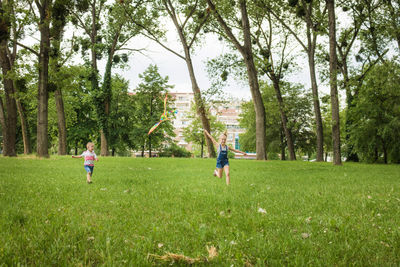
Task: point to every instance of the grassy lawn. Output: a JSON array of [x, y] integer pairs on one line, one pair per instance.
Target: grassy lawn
[[273, 213]]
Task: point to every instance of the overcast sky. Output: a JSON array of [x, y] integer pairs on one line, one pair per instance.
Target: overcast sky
[[175, 68]]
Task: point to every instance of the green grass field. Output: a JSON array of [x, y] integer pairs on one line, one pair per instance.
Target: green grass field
[[315, 214]]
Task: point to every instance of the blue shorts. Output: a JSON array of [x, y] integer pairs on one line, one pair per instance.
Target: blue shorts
[[89, 169], [222, 163]]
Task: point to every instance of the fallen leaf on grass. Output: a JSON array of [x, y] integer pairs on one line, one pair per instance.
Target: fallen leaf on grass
[[308, 220], [175, 257], [212, 252], [305, 235], [385, 244], [172, 257]]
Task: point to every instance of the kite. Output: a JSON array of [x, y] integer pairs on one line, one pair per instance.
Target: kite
[[164, 116]]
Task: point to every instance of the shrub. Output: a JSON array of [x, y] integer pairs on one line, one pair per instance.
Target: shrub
[[175, 151]]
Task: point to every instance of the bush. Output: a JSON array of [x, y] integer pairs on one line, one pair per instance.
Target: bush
[[175, 151]]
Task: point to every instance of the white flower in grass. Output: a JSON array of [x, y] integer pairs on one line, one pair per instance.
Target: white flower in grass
[[160, 245], [369, 197], [261, 210], [233, 242], [103, 189], [90, 238]]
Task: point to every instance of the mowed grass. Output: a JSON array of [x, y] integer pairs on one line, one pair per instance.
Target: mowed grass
[[315, 213]]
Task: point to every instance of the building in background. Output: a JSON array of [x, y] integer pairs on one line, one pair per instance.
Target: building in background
[[227, 113]]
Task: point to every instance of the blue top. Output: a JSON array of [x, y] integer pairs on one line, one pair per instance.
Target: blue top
[[222, 153]]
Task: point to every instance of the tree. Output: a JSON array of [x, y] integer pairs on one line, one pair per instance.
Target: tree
[[60, 11], [149, 105], [274, 69], [81, 118], [121, 117], [44, 8], [90, 15], [375, 133], [299, 110], [247, 54], [309, 14], [8, 116], [188, 17], [337, 157], [194, 131]]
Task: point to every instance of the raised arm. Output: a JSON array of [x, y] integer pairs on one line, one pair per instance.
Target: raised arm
[[212, 139], [237, 151]]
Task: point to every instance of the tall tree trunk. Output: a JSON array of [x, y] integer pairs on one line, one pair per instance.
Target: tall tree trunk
[[10, 116], [62, 128], [261, 143], [202, 144], [385, 153], [350, 154], [247, 54], [333, 83], [55, 65], [94, 79], [288, 132], [317, 110], [24, 128], [42, 117], [149, 146], [283, 156], [200, 108], [107, 93], [310, 49], [2, 120]]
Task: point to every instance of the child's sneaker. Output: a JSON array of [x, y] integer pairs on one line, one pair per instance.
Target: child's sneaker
[[215, 173]]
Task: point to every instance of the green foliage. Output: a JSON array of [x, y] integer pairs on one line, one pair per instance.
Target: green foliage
[[174, 150], [194, 131], [121, 118], [376, 127], [299, 112], [149, 105]]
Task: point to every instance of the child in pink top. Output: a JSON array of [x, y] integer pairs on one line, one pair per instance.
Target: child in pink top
[[89, 157]]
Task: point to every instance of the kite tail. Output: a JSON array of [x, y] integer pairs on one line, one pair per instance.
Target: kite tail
[[154, 127]]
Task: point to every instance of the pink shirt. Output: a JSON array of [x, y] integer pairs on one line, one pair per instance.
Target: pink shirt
[[89, 157]]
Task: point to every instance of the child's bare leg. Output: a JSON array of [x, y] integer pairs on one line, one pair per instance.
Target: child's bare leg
[[88, 177], [219, 172], [227, 175]]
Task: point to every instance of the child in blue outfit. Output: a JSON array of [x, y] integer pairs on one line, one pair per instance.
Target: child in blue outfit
[[222, 156]]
